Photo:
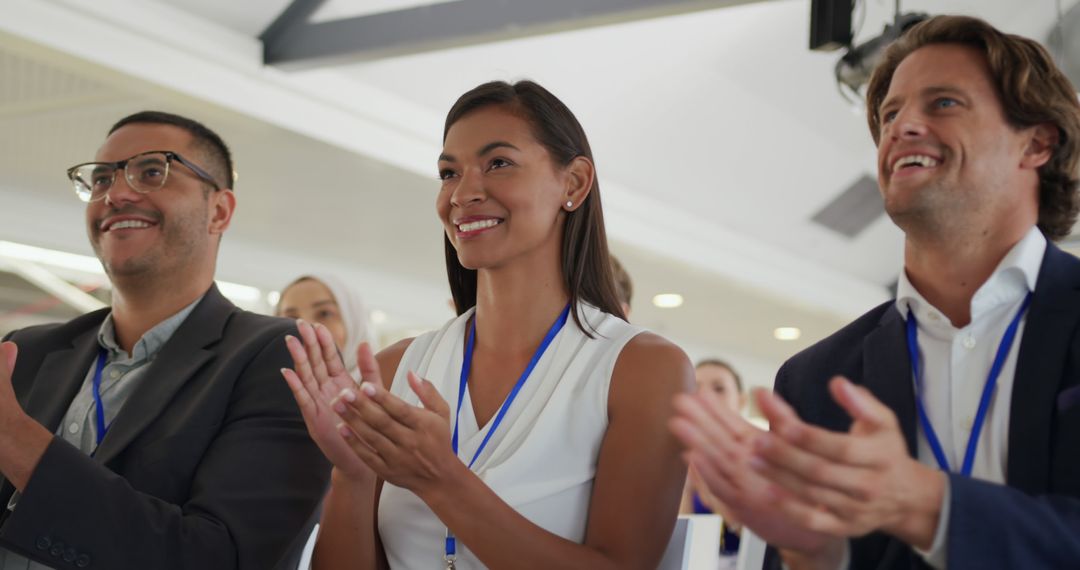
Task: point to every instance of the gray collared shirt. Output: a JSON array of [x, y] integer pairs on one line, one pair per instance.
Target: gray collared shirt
[[119, 378]]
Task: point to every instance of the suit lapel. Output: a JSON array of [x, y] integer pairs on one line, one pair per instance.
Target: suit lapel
[[59, 378], [1040, 365], [887, 372], [179, 360]]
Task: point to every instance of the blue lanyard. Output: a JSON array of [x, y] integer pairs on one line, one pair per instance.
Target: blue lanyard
[[466, 366], [101, 427], [984, 401]]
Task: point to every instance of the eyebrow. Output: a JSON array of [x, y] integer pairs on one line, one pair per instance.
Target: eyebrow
[[928, 91], [486, 149], [322, 303]]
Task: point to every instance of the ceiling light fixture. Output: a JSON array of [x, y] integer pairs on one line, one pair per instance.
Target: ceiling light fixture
[[244, 294], [787, 333], [668, 300]]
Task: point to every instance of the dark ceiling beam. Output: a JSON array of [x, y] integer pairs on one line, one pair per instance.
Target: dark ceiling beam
[[294, 42]]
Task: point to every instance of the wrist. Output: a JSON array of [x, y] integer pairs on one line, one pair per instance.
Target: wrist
[[920, 517], [22, 444], [344, 481], [450, 481]]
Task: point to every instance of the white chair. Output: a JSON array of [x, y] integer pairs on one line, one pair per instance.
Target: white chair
[[694, 544], [751, 551]]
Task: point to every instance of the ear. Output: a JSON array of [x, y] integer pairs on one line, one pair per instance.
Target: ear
[[1040, 146], [580, 174], [222, 206]]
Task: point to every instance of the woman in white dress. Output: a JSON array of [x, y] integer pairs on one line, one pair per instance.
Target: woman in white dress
[[530, 431]]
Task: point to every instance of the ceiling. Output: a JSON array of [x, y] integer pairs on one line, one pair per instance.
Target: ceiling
[[718, 136]]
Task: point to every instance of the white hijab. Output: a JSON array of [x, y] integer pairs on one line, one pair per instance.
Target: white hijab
[[358, 326]]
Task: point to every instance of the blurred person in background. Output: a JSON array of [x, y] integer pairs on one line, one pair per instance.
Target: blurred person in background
[[331, 302], [717, 381]]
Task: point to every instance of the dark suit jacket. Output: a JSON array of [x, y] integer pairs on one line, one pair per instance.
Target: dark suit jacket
[[208, 464], [1034, 520]]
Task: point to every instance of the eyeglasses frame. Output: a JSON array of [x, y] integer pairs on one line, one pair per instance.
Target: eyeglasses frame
[[122, 165]]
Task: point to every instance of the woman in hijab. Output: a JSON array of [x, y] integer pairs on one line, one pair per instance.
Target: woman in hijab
[[331, 302]]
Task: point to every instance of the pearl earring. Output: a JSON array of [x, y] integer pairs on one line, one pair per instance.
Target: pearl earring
[[569, 204]]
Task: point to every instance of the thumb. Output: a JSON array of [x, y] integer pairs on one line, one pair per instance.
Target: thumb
[[861, 405], [429, 396]]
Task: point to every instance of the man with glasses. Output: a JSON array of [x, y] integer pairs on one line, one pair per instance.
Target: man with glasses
[[157, 433]]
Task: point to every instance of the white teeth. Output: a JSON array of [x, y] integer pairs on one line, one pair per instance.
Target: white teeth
[[915, 159], [478, 225], [126, 224]]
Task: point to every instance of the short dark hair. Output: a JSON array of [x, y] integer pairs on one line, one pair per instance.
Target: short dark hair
[[722, 364], [218, 158], [586, 264], [1032, 91]]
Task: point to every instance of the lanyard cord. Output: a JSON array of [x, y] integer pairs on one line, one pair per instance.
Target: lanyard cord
[[984, 401], [102, 428], [466, 365]]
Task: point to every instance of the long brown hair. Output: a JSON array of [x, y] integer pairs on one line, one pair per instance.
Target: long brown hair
[[1032, 90], [586, 263]]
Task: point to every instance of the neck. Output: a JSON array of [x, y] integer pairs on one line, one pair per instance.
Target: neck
[[136, 310], [947, 270], [516, 306]]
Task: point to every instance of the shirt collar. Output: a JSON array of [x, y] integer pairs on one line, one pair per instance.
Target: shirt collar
[[151, 342], [1015, 276]]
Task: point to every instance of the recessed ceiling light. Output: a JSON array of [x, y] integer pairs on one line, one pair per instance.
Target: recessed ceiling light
[[786, 333], [668, 300]]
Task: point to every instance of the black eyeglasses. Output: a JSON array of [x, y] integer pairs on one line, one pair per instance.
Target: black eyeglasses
[[144, 172]]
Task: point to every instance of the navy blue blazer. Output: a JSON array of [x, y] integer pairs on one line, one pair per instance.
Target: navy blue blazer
[[1034, 520], [207, 466]]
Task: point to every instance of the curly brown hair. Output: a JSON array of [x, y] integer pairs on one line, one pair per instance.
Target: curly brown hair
[[1032, 91]]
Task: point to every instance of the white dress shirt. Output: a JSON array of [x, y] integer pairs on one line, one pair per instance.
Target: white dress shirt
[[956, 363]]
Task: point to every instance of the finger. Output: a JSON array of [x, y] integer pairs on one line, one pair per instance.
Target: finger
[[811, 517], [809, 468], [719, 423], [722, 455], [775, 409], [329, 351], [304, 400], [356, 410], [302, 364], [833, 446], [369, 367], [861, 405], [402, 412], [830, 495], [718, 409], [362, 448], [314, 351], [736, 489], [429, 396], [10, 354]]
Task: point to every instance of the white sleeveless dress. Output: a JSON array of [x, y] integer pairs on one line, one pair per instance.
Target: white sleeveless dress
[[542, 459]]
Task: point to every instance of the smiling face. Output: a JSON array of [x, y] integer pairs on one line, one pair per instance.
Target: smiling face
[[502, 196], [167, 233], [947, 155]]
